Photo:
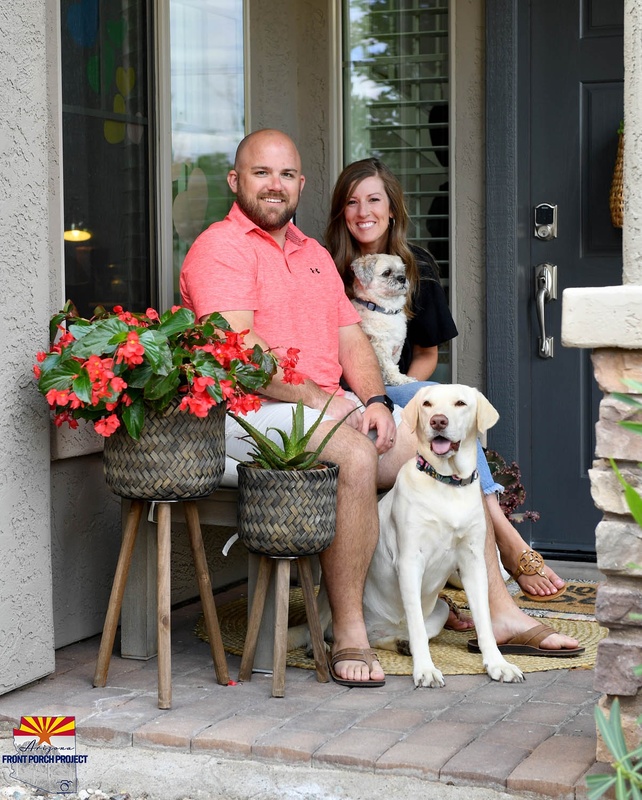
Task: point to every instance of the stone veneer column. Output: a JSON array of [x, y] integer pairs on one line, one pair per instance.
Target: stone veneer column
[[609, 321]]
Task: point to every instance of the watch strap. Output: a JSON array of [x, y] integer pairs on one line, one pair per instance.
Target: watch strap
[[382, 398]]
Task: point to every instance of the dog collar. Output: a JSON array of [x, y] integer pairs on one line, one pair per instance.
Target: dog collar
[[374, 307], [453, 480]]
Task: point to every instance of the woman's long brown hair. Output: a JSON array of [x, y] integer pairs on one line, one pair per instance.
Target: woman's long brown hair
[[340, 242]]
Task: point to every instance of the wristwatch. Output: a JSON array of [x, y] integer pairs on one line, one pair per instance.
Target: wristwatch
[[382, 398]]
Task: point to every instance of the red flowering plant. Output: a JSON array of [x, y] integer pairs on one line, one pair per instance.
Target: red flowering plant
[[113, 367]]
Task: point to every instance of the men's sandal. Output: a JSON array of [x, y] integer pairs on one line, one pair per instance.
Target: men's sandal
[[366, 656], [527, 644], [531, 563]]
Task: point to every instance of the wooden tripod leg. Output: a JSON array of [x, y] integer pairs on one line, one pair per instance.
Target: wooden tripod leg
[[117, 591], [164, 605], [312, 614], [205, 588], [282, 598], [256, 615]]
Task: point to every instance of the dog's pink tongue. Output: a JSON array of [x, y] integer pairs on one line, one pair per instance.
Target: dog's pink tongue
[[440, 446]]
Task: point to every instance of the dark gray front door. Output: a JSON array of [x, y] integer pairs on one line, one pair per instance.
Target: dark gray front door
[[568, 96]]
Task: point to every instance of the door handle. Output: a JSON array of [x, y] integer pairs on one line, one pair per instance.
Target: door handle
[[545, 291]]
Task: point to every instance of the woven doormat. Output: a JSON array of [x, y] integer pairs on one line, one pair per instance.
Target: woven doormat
[[448, 649]]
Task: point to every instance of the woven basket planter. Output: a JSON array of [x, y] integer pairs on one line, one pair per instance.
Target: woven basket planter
[[178, 456], [616, 197], [287, 513]]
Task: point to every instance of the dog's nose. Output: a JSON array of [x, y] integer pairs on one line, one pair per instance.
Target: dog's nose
[[401, 279], [438, 422]]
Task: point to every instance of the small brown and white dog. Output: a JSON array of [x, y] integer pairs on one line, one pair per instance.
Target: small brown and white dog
[[380, 287], [431, 523]]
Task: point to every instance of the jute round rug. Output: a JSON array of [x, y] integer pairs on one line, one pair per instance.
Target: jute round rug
[[448, 650]]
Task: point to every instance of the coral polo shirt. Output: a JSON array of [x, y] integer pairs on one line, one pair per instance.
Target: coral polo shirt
[[296, 294]]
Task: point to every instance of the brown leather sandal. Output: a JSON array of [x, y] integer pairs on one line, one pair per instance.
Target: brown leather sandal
[[367, 656], [531, 563]]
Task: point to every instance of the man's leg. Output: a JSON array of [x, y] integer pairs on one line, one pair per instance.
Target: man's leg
[[345, 563]]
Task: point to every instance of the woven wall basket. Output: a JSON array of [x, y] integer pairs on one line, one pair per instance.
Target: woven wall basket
[[616, 197], [287, 512], [178, 456]]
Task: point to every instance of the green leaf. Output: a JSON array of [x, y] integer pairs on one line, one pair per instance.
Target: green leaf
[[633, 499], [159, 386], [178, 322], [631, 425], [59, 377], [216, 320], [134, 418], [157, 351], [82, 386], [599, 785], [98, 341], [138, 377]]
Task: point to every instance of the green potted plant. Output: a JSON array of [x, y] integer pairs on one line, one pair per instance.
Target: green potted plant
[[156, 386], [287, 495]]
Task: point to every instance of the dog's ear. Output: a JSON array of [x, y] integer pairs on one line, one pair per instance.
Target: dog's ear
[[363, 268], [487, 414], [410, 414]]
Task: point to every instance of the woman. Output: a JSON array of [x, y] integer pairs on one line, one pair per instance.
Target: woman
[[368, 215]]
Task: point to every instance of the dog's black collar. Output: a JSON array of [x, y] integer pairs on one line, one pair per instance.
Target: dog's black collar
[[374, 307], [453, 480]]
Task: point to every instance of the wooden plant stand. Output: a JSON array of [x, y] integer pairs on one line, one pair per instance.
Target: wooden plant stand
[[282, 603], [164, 534]]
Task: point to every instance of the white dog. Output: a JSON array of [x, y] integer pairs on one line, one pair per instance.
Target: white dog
[[380, 288], [432, 523]]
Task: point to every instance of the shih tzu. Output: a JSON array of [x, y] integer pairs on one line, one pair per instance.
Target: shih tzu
[[380, 287]]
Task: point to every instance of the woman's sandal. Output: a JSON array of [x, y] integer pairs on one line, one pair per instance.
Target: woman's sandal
[[457, 612], [531, 563]]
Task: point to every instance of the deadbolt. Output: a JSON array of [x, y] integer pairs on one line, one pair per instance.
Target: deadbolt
[[545, 221]]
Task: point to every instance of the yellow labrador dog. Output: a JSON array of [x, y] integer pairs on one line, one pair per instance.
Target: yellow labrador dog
[[431, 524]]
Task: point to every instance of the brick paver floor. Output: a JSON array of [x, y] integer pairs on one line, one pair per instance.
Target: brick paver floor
[[536, 737]]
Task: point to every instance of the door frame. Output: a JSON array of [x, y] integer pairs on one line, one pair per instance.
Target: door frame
[[502, 204]]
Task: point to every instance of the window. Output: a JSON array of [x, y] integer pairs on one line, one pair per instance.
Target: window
[[207, 115], [109, 258], [110, 173], [396, 92]]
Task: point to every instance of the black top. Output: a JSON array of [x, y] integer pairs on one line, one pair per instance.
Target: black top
[[432, 323]]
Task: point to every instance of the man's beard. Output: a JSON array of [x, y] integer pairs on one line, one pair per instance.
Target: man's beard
[[266, 218]]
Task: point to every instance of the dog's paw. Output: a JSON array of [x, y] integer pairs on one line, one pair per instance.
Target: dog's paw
[[505, 672], [402, 646], [397, 379], [428, 677]]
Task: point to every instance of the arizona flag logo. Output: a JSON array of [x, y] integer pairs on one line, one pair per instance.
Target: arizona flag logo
[[35, 732]]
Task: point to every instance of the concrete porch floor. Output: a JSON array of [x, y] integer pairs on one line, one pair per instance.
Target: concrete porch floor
[[535, 739]]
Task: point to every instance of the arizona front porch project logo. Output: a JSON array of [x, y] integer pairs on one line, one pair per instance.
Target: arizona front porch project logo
[[46, 753]]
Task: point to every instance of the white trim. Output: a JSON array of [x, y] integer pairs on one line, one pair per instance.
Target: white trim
[[452, 178], [246, 67], [335, 128], [163, 149]]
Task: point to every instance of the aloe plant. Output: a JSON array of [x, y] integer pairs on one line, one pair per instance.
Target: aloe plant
[[293, 454]]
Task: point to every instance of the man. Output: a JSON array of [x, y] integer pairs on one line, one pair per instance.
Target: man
[[265, 276]]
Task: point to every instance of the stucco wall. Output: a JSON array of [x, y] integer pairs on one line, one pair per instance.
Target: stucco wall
[[467, 165], [27, 170], [289, 83]]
